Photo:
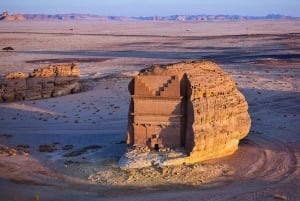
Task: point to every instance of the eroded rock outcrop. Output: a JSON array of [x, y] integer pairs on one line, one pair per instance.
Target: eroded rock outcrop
[[190, 105], [53, 80], [16, 17]]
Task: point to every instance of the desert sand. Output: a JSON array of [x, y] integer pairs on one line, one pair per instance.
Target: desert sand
[[263, 58]]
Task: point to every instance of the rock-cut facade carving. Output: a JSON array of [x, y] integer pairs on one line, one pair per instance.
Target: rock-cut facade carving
[[191, 105]]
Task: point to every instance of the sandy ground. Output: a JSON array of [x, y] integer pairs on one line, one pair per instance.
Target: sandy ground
[[262, 57]]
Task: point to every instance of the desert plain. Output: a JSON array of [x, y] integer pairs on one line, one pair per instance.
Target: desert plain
[[87, 130]]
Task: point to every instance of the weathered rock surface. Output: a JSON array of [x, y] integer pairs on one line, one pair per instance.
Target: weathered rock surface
[[53, 80], [214, 113]]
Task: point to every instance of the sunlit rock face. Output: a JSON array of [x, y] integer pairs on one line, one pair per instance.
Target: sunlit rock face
[[53, 80], [194, 106]]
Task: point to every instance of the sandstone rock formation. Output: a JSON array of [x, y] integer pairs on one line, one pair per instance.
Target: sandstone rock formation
[[77, 16], [53, 80], [190, 105], [15, 17]]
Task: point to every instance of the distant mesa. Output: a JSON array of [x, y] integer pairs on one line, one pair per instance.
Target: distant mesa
[[75, 16], [72, 17], [50, 81], [215, 17], [155, 18], [16, 17], [194, 106]]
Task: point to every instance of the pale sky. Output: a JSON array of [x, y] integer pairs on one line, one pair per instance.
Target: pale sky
[[153, 7]]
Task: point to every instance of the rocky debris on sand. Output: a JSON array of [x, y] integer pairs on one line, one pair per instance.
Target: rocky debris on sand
[[191, 105], [19, 150], [51, 81], [141, 157], [195, 174]]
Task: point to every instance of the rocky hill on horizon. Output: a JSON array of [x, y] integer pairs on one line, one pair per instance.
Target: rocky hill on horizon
[[76, 16], [15, 17]]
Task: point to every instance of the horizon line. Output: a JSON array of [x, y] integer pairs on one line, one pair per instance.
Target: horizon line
[[136, 16]]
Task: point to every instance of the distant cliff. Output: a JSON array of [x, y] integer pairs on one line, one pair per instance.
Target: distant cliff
[[76, 16], [216, 17]]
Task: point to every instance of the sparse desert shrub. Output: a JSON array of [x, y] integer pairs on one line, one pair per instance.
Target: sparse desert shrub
[[47, 148], [7, 49], [68, 147], [83, 150], [69, 162]]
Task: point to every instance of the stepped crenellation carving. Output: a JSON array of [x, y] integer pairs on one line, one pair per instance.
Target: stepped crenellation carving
[[165, 85], [149, 85]]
